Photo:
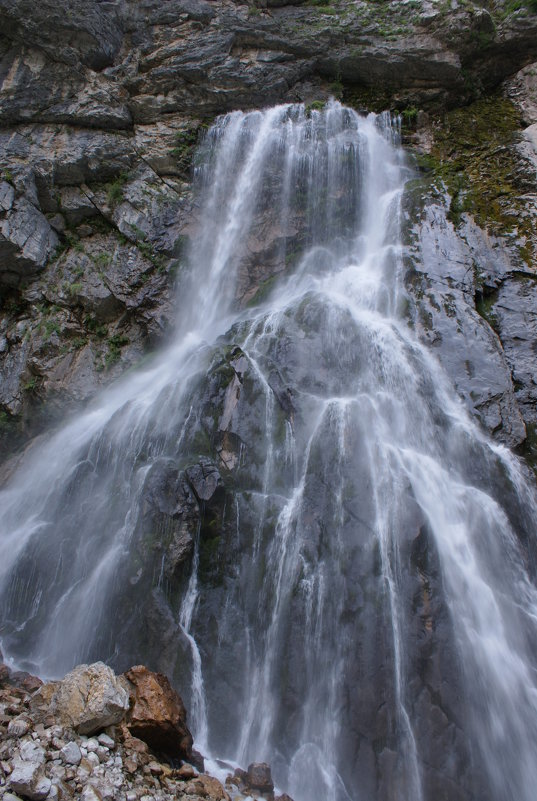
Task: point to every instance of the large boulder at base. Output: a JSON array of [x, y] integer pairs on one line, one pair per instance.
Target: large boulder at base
[[157, 714], [89, 698]]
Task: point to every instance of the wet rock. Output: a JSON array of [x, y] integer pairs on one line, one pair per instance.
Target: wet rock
[[211, 788], [259, 777], [90, 698], [197, 761], [26, 681], [204, 479], [447, 317], [186, 772], [157, 715]]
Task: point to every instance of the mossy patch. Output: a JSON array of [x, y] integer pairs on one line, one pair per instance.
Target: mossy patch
[[473, 155], [114, 189], [185, 145], [485, 307], [367, 98], [263, 291]]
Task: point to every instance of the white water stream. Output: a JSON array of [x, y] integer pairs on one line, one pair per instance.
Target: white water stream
[[376, 450]]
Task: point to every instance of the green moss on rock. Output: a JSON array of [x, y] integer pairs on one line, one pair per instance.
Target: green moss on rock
[[473, 154]]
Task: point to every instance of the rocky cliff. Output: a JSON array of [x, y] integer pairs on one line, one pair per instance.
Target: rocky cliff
[[102, 108], [102, 105]]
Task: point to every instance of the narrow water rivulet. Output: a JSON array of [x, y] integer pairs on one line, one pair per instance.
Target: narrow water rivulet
[[290, 511]]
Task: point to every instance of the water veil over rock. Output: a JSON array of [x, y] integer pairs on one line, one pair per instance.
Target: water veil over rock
[[290, 511]]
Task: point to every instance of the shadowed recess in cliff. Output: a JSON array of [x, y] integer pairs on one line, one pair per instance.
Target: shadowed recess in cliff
[[291, 512]]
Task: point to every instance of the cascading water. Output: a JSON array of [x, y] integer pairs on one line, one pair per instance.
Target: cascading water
[[290, 511]]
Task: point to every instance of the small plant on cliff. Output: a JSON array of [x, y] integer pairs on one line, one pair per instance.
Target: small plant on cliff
[[92, 325], [114, 190], [517, 5], [115, 343], [51, 327], [31, 385], [103, 260], [316, 105], [74, 289], [73, 241]]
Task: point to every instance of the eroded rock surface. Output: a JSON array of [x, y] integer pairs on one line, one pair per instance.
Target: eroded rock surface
[[90, 698], [101, 106], [157, 715]]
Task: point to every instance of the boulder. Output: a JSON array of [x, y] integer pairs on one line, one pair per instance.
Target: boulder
[[25, 681], [206, 787], [157, 714], [259, 777], [28, 779], [90, 698]]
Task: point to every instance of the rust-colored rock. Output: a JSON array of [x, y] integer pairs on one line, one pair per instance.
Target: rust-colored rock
[[206, 787], [213, 788], [157, 715]]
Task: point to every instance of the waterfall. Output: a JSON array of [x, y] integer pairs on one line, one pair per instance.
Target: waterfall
[[353, 597]]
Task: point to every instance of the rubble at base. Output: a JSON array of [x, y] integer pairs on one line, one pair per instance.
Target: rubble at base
[[73, 739]]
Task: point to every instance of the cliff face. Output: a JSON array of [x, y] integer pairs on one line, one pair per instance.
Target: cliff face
[[101, 106]]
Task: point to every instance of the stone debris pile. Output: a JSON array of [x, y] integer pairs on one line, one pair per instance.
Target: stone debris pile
[[95, 736]]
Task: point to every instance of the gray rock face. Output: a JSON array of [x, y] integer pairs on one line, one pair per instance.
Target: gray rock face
[[522, 90], [446, 266], [26, 240], [104, 101], [70, 31]]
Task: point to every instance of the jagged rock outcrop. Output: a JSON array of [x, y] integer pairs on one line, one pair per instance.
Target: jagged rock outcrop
[[100, 108], [157, 714], [89, 699]]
